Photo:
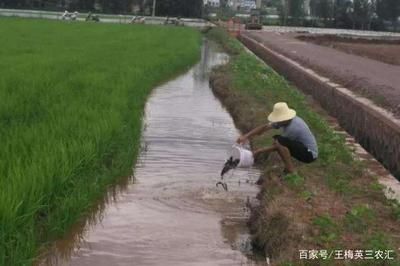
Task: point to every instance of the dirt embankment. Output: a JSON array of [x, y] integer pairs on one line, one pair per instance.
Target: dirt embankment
[[330, 203], [302, 212], [386, 51], [311, 210]]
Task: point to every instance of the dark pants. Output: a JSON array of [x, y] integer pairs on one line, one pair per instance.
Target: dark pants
[[296, 148]]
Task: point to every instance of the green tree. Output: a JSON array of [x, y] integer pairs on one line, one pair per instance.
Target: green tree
[[293, 9], [322, 9], [342, 14], [389, 10], [223, 3], [272, 3], [182, 8], [363, 12], [296, 9], [283, 11]]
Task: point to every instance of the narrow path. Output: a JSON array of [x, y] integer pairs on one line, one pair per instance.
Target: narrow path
[[173, 214]]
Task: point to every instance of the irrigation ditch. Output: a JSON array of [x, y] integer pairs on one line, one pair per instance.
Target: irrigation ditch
[[170, 212], [337, 201]]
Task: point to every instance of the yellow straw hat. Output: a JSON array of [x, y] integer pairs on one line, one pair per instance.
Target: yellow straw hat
[[281, 112]]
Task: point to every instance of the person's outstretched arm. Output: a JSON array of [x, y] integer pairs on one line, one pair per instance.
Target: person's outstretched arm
[[257, 131]]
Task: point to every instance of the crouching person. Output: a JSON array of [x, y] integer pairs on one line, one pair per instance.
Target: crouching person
[[295, 141]]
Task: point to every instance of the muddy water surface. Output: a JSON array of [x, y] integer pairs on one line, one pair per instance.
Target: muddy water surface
[[171, 212]]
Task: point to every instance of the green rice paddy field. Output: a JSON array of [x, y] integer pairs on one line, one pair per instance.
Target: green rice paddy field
[[72, 97]]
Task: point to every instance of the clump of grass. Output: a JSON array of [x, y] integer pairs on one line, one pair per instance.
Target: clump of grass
[[222, 37], [358, 218], [306, 195], [377, 241], [294, 180], [395, 206], [71, 103], [338, 180], [380, 242], [328, 229], [376, 186]]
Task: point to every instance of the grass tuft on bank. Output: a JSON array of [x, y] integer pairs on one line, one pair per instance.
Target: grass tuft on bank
[[72, 97], [330, 204]]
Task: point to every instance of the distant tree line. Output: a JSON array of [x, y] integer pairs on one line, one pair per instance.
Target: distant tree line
[[183, 8], [355, 14], [180, 8], [84, 5]]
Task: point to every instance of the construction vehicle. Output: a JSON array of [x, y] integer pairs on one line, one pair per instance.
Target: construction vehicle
[[138, 20], [92, 17], [174, 21], [255, 22]]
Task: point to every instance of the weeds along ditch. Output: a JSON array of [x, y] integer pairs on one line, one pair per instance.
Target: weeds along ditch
[[333, 203], [72, 98]]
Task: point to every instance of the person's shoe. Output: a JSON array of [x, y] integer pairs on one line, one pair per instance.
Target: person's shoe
[[285, 173], [260, 181]]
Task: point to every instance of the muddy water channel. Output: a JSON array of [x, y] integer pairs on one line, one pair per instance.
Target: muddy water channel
[[171, 212]]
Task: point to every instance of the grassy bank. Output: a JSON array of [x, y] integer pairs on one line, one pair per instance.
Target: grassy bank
[[72, 97], [331, 204]]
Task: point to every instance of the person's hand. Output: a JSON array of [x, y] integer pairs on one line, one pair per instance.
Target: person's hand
[[242, 139], [256, 152]]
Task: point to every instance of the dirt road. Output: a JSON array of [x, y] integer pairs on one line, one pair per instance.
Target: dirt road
[[376, 80], [386, 51]]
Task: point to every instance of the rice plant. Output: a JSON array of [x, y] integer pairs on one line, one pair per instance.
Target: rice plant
[[72, 97]]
